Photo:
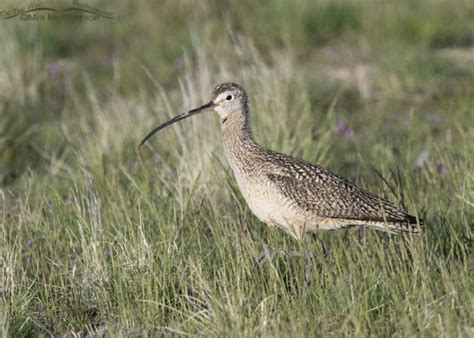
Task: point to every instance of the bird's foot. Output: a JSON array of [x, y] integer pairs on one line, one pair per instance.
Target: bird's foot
[[268, 254]]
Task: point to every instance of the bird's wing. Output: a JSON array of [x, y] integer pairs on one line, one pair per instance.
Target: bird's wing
[[318, 191]]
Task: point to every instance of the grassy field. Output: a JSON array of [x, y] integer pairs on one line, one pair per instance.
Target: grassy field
[[97, 237]]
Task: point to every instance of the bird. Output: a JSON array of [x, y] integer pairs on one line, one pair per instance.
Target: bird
[[294, 195]]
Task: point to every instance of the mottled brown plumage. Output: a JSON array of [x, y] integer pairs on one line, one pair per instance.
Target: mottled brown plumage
[[294, 195]]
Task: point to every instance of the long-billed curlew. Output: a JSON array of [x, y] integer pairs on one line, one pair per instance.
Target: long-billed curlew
[[295, 195]]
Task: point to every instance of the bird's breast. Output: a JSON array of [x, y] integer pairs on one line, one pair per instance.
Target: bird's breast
[[269, 206]]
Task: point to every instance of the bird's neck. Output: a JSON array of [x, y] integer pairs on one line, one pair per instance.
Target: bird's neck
[[238, 142]]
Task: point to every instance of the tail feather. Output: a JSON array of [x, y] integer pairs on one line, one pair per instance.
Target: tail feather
[[407, 224], [411, 225], [386, 215]]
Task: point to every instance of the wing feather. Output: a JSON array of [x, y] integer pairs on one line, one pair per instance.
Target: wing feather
[[316, 190]]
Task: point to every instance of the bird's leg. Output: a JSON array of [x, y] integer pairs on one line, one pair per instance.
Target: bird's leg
[[308, 267], [361, 234], [323, 247], [269, 254], [345, 239]]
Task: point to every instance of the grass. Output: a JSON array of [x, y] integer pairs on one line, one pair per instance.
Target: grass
[[97, 237]]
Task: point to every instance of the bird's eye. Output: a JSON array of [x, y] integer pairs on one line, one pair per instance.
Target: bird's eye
[[229, 97]]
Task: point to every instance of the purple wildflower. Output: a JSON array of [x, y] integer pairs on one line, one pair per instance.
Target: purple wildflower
[[42, 308], [434, 118], [29, 242], [343, 128], [441, 168], [54, 70]]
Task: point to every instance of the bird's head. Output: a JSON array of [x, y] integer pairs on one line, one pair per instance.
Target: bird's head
[[227, 99]]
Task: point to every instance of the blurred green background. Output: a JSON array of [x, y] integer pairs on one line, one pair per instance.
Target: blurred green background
[[412, 54], [98, 237]]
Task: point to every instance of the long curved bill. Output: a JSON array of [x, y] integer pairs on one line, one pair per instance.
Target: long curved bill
[[207, 107]]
